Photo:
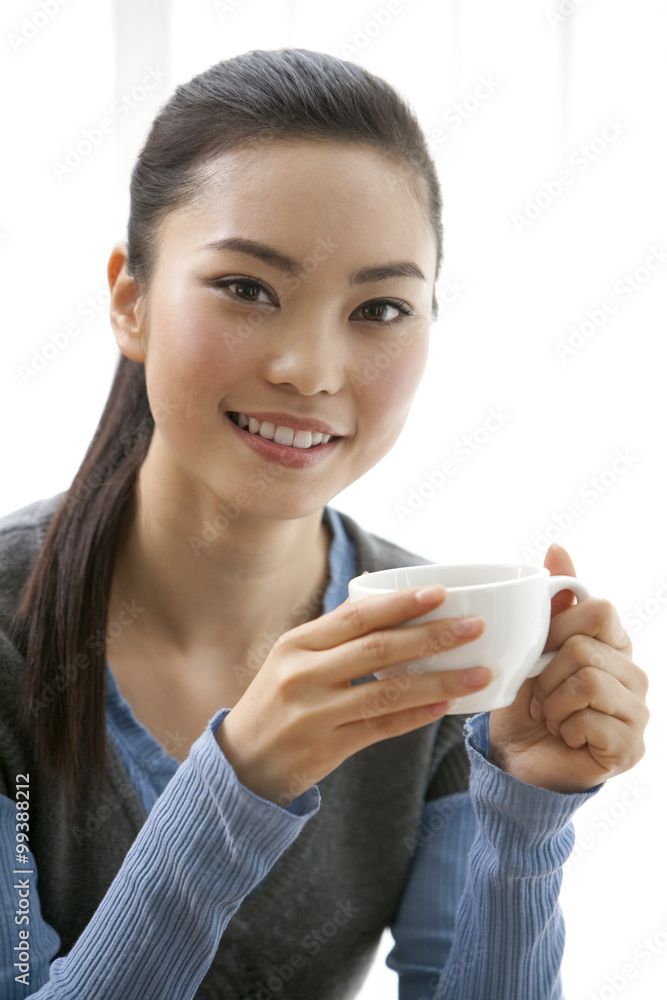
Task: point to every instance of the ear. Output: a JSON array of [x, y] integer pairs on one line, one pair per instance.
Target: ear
[[125, 311]]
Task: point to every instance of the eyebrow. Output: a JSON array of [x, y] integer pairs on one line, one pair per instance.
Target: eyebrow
[[394, 269]]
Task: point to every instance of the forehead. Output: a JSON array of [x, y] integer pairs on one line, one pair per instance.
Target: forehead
[[292, 193]]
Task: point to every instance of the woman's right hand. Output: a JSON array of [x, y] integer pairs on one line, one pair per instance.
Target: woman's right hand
[[300, 716]]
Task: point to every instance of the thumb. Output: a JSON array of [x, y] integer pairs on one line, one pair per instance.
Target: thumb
[[346, 601], [557, 560]]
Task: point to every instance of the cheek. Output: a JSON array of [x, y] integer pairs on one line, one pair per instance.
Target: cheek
[[194, 358], [390, 378]]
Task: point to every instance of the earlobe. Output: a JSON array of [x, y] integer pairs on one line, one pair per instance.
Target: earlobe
[[124, 310]]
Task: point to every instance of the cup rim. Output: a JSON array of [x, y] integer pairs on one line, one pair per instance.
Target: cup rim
[[532, 572]]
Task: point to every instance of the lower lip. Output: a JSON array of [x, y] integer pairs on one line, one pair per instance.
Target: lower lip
[[283, 454]]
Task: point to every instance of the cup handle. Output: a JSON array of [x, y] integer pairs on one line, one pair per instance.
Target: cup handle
[[557, 583]]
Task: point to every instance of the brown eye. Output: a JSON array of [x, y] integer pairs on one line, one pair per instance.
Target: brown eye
[[245, 289], [384, 310]]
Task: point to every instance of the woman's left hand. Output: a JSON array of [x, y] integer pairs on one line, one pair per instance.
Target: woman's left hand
[[583, 719]]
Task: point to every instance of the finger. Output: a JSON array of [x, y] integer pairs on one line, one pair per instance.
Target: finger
[[580, 653], [557, 560], [408, 691], [598, 690], [593, 616], [374, 728], [355, 618], [388, 647], [614, 745]]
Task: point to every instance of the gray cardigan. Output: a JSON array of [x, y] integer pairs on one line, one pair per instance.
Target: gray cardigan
[[358, 845]]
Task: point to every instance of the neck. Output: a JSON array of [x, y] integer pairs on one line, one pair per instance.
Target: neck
[[214, 588]]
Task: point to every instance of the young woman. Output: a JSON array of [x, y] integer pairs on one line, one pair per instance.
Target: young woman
[[205, 792]]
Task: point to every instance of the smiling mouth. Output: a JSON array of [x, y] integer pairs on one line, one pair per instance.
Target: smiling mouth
[[287, 436]]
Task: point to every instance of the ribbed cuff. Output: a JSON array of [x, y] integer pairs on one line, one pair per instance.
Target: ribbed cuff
[[527, 827], [207, 842], [306, 804]]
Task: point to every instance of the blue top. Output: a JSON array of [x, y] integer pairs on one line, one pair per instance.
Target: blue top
[[480, 855]]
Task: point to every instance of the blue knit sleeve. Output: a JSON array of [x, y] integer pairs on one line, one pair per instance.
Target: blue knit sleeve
[[207, 842], [426, 921], [22, 967], [480, 915]]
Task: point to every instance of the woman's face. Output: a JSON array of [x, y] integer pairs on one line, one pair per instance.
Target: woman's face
[[296, 292]]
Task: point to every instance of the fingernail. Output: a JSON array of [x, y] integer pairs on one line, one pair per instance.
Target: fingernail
[[467, 626], [430, 595], [476, 677], [439, 708], [536, 710]]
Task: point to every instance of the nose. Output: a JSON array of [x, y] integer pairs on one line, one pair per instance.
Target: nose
[[308, 355]]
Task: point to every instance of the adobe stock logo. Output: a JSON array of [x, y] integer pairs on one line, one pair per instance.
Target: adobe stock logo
[[463, 450], [642, 614], [581, 159], [645, 952], [32, 25], [365, 33], [591, 491], [60, 339], [461, 111], [222, 7], [562, 10], [92, 138], [625, 288]]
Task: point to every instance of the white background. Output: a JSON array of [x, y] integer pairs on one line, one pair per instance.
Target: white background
[[521, 290]]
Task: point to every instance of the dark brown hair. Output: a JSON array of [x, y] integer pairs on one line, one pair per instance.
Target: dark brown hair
[[61, 622]]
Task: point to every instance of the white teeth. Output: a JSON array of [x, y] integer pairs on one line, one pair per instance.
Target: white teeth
[[284, 435], [303, 439], [281, 434]]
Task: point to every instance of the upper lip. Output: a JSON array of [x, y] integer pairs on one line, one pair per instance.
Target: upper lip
[[289, 420]]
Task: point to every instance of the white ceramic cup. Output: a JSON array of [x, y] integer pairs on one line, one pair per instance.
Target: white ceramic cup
[[513, 600]]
